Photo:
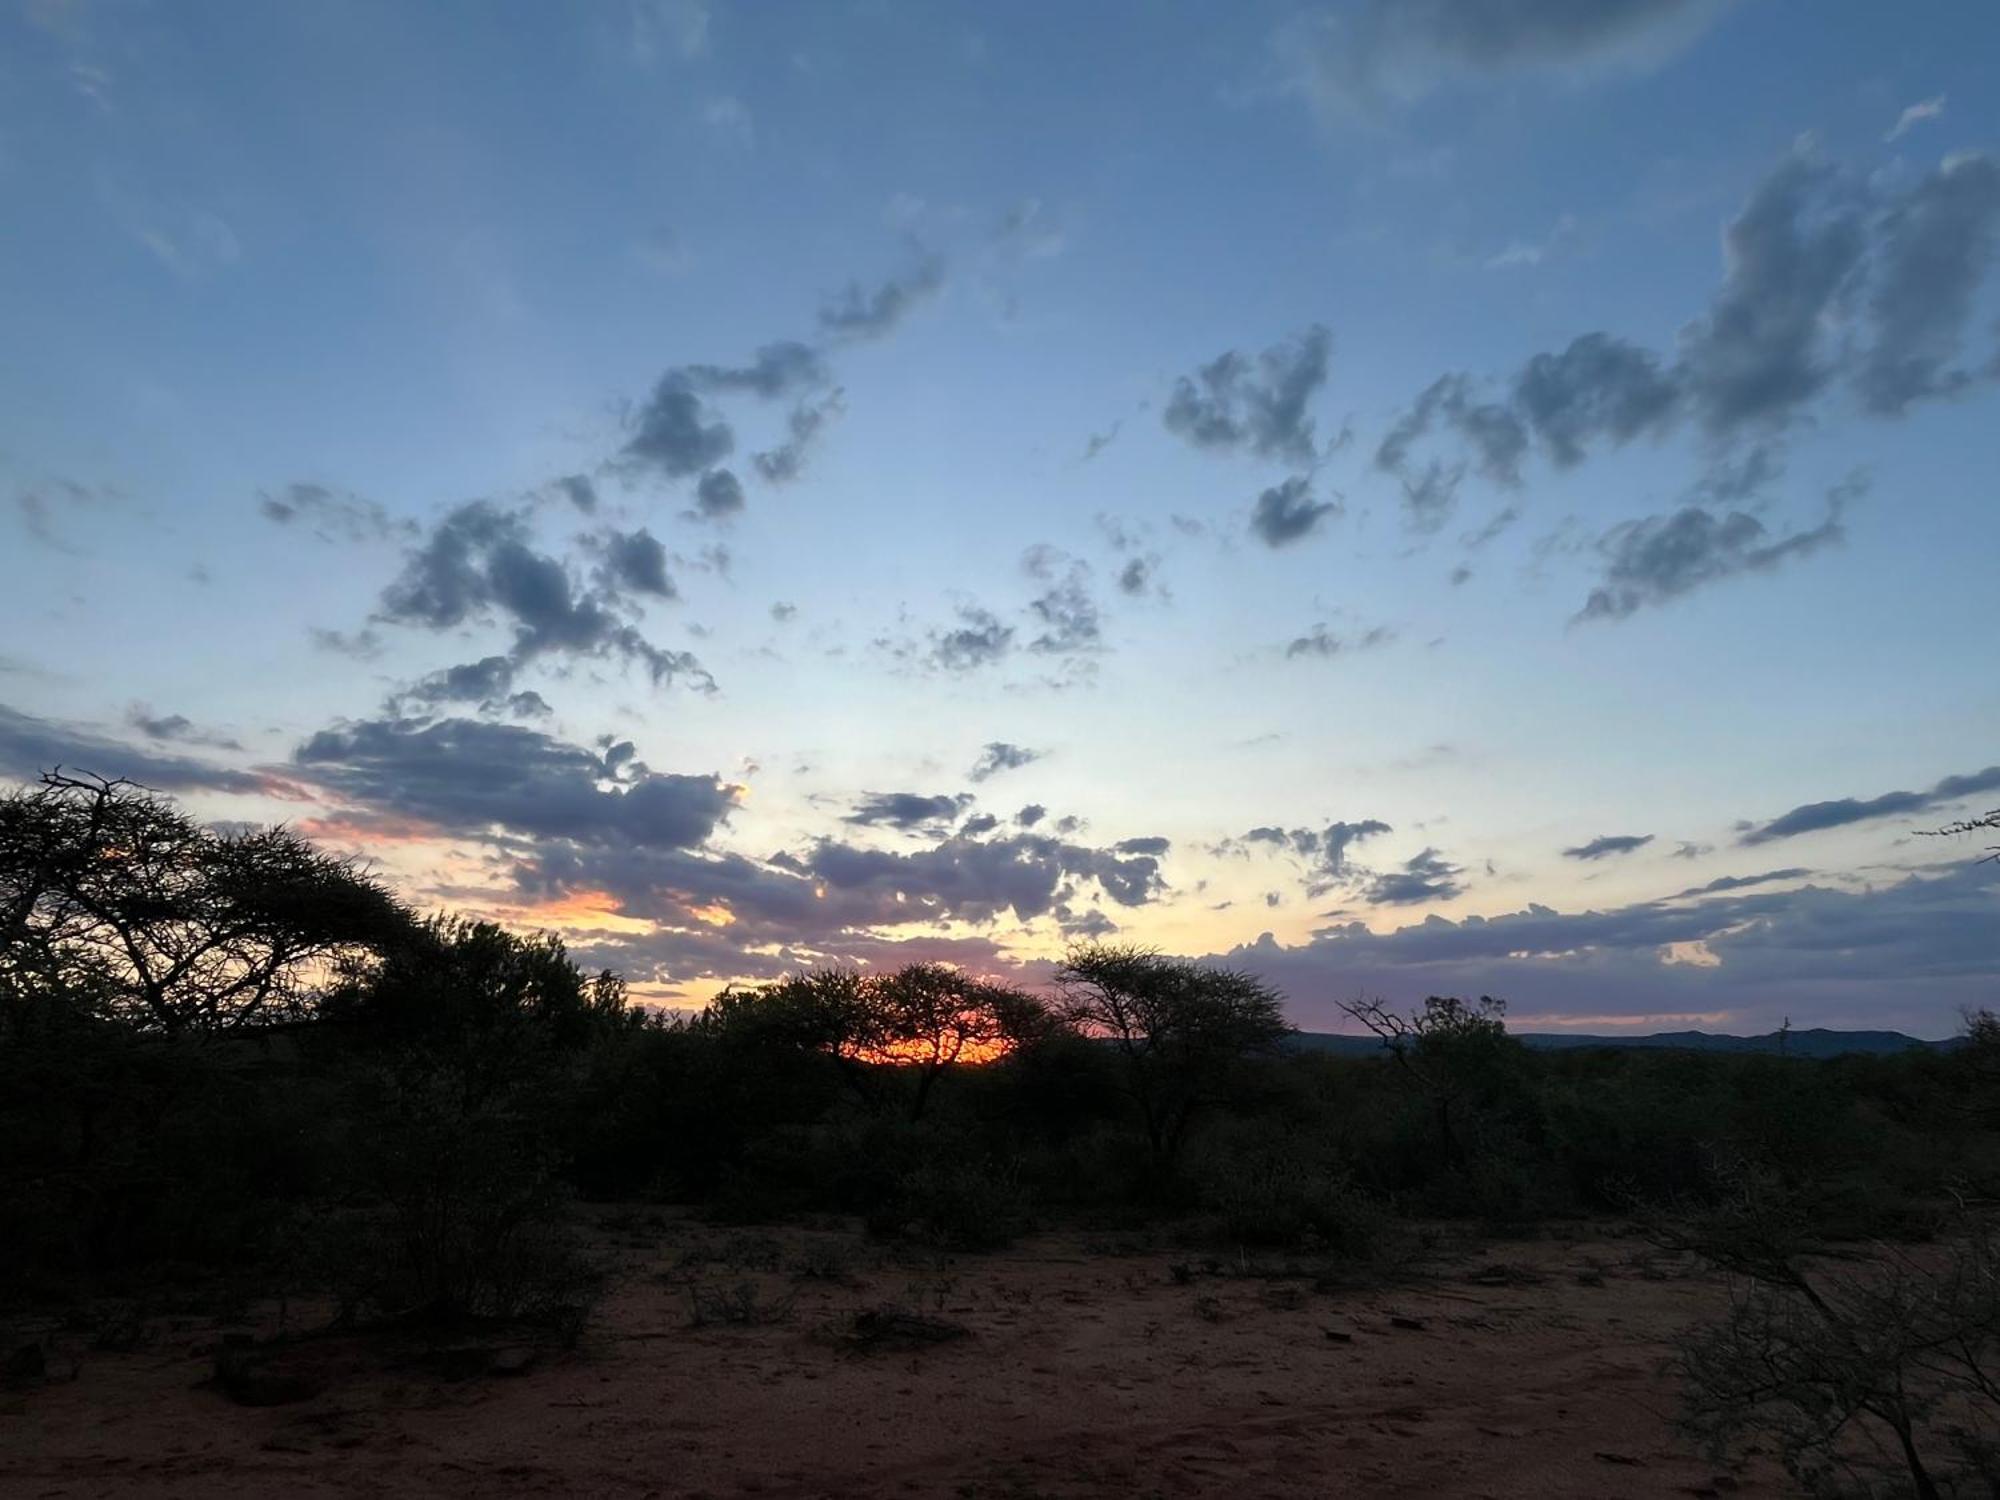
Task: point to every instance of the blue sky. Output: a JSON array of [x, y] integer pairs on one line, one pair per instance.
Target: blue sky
[[1426, 498]]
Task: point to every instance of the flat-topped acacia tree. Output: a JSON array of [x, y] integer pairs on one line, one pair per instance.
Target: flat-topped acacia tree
[[114, 899], [1180, 1030]]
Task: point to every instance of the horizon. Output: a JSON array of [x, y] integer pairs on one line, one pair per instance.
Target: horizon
[[1396, 505]]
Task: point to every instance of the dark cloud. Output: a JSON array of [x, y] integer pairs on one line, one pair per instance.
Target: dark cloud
[[1257, 405], [1828, 279], [1287, 512], [330, 515], [1609, 844], [776, 370], [1600, 387], [1761, 352], [979, 641], [1153, 845], [977, 880], [1936, 245], [1136, 577], [861, 314], [1912, 953], [30, 746], [1423, 877], [676, 433], [1813, 816], [481, 779], [486, 681], [1739, 882], [638, 562], [1323, 851], [175, 728], [907, 809], [1097, 442], [43, 504], [579, 491], [478, 563], [1659, 558], [1030, 815], [1000, 756], [979, 823], [719, 495]]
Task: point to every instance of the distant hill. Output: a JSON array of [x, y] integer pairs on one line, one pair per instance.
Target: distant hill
[[1816, 1042]]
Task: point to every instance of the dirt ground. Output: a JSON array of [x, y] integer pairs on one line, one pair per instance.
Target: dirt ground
[[1086, 1368]]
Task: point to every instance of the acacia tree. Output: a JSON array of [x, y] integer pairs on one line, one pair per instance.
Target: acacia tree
[[1449, 1052], [1180, 1030], [925, 1017], [113, 898]]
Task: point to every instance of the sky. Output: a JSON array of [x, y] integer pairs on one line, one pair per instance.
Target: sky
[[1403, 498]]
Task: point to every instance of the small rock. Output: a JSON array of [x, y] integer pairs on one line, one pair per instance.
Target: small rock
[[1336, 1336], [1398, 1320]]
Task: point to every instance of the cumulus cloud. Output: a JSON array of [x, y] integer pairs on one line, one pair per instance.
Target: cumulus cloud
[[1287, 512], [998, 756], [979, 640], [1064, 613], [1830, 281], [1255, 405], [476, 778], [907, 810], [1810, 817], [719, 495], [1609, 844], [1660, 558], [478, 563], [1426, 876]]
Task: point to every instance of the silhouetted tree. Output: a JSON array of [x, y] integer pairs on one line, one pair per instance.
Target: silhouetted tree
[[115, 899], [1449, 1051], [1180, 1030]]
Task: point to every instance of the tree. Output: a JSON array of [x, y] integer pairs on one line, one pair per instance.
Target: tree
[[112, 897], [1180, 1030], [1877, 1370], [1449, 1051]]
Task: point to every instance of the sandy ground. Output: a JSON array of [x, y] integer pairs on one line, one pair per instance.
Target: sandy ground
[[1085, 1372]]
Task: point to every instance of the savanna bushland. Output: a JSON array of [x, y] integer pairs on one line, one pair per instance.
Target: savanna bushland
[[232, 1067]]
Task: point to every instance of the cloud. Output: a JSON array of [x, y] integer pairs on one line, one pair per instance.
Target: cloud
[[638, 561], [979, 641], [579, 491], [1810, 817], [907, 810], [31, 745], [331, 516], [1911, 953], [480, 779], [1935, 247], [1322, 642], [677, 434], [177, 728], [1324, 851], [977, 880], [1287, 512], [1739, 882], [807, 421], [41, 504], [1064, 612], [858, 314], [1360, 60], [477, 564], [719, 495], [1659, 558], [1152, 844], [1256, 405], [1000, 756], [1607, 844], [1830, 280], [1914, 115], [1427, 876]]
